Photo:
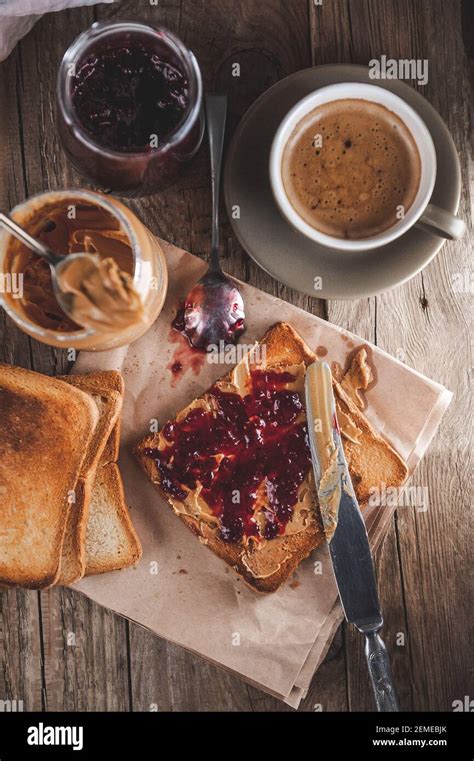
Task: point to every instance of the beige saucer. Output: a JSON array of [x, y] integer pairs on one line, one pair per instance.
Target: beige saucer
[[286, 254]]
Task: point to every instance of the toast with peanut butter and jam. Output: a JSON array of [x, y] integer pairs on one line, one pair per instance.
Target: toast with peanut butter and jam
[[235, 464]]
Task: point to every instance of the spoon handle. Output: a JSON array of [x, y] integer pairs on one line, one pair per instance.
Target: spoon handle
[[216, 110], [26, 238]]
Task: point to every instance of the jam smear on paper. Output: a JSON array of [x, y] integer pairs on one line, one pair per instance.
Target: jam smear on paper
[[184, 357]]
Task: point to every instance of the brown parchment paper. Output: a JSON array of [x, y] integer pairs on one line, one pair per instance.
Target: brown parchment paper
[[182, 591]]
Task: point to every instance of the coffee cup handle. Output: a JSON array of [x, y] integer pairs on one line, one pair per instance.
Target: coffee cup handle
[[441, 222]]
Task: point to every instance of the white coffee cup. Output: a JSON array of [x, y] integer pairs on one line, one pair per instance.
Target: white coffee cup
[[421, 212]]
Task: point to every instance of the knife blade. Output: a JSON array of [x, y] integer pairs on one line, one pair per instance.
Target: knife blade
[[345, 529]]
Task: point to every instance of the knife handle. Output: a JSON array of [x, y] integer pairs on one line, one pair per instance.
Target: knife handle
[[379, 670]]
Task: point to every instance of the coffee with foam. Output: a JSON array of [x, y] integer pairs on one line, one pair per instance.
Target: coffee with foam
[[351, 168]]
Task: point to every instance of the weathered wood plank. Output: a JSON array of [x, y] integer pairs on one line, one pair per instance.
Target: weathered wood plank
[[167, 678], [429, 321], [21, 676], [328, 690], [85, 654], [83, 646], [424, 323]]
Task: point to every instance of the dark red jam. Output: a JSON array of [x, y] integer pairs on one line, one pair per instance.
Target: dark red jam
[[176, 368], [178, 322], [125, 96], [261, 441]]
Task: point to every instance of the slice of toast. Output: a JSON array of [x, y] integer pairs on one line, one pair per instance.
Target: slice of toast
[[111, 542], [101, 537], [73, 562], [370, 459], [106, 389], [101, 388], [46, 429], [112, 380]]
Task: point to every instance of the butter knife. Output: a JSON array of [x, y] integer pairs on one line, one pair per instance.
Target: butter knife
[[345, 530]]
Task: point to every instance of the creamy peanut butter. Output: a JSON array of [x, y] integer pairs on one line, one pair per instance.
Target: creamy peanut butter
[[333, 476], [322, 414], [347, 427], [65, 228], [100, 295], [358, 377]]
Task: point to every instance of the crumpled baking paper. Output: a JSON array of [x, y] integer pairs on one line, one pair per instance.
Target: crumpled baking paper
[[180, 590]]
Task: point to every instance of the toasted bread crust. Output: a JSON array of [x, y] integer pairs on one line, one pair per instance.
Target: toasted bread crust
[[108, 380], [284, 347], [111, 388], [108, 479], [73, 563], [113, 381], [101, 388], [42, 419], [299, 545]]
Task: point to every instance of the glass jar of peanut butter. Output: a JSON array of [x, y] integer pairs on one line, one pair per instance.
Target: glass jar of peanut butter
[[71, 221]]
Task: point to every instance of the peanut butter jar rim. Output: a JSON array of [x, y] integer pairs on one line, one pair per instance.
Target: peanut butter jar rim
[[61, 195], [79, 49]]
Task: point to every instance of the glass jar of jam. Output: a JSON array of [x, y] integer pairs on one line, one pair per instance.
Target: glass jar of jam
[[130, 110], [70, 221]]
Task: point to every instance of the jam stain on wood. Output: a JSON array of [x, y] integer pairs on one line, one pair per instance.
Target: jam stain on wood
[[243, 443]]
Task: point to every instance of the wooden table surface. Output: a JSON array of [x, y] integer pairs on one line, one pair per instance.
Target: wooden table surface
[[58, 650]]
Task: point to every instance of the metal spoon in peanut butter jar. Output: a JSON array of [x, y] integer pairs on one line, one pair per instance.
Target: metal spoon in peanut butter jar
[[92, 291]]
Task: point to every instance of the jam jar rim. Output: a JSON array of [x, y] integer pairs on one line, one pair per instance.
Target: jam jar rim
[[80, 45], [94, 197]]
